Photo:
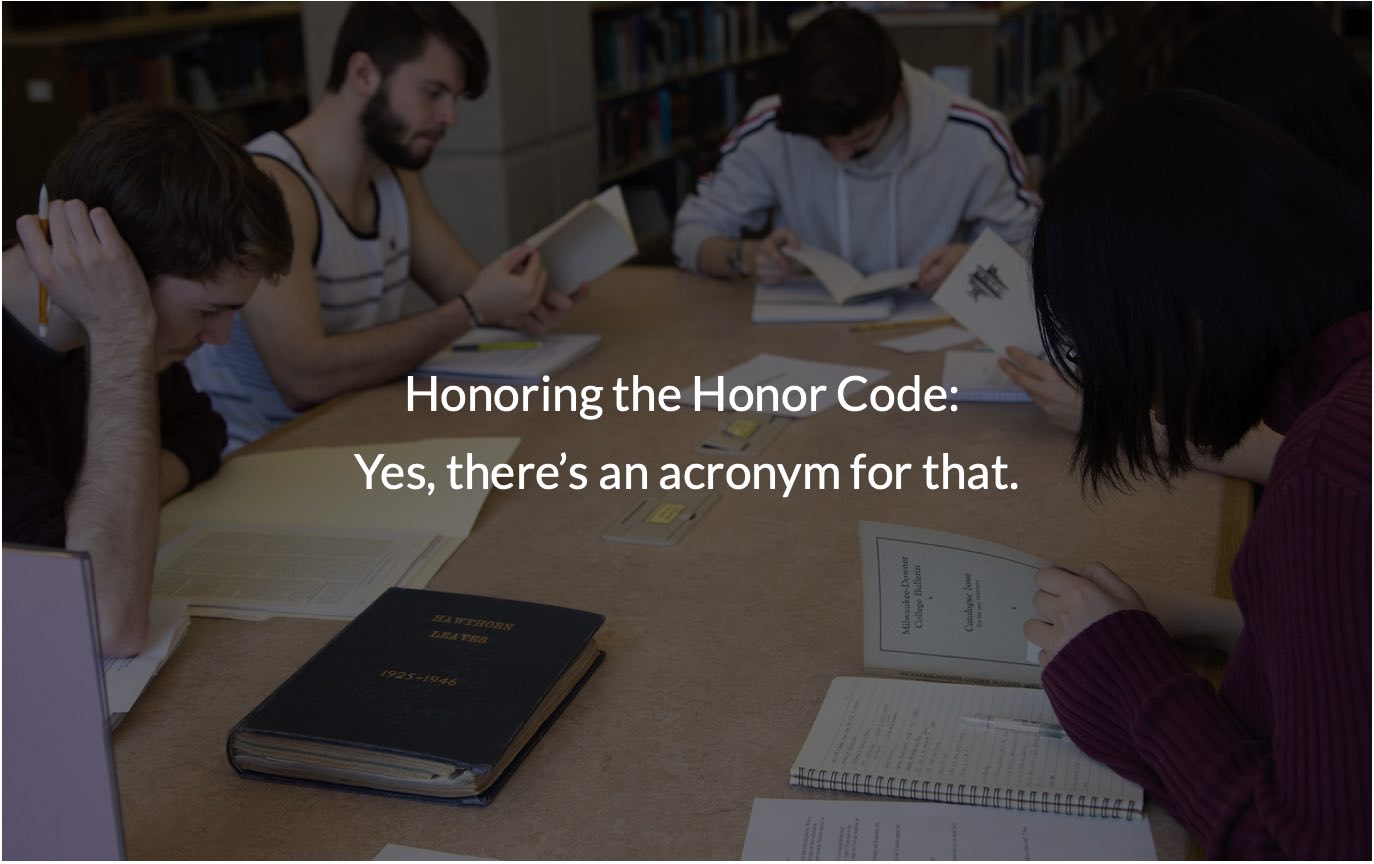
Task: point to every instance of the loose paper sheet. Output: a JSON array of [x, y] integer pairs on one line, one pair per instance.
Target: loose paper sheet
[[805, 830], [773, 370], [127, 677]]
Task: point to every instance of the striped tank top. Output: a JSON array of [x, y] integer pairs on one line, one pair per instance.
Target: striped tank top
[[360, 279]]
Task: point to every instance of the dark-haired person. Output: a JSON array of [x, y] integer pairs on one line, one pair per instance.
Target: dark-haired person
[[1284, 64], [1204, 271], [860, 155], [161, 227], [365, 227]]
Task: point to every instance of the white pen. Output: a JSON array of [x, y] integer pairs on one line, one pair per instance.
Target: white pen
[[1011, 724]]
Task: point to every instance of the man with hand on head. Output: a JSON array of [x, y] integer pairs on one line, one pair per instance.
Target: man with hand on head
[[860, 155], [364, 228], [161, 227]]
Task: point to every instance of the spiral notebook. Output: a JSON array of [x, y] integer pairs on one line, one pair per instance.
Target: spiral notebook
[[911, 739], [978, 378]]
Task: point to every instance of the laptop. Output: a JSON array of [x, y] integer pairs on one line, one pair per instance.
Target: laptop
[[61, 799]]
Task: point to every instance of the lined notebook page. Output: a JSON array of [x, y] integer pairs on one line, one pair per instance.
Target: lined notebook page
[[905, 738], [979, 378]]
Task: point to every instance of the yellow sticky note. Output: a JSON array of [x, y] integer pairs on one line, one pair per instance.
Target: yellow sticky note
[[742, 428], [664, 514]]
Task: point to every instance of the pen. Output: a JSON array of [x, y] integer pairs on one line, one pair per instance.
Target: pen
[[500, 346], [1010, 724], [893, 325], [42, 290]]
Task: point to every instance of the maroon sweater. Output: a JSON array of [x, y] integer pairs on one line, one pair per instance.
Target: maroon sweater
[[45, 432], [1277, 764]]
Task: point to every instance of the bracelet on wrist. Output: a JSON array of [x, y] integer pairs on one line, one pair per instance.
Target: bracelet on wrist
[[472, 313], [735, 260]]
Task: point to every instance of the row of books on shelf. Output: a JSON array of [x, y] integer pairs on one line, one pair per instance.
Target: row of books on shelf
[[667, 42], [1050, 126], [657, 123], [1035, 47], [222, 68]]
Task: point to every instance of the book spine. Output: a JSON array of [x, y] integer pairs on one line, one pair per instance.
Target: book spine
[[968, 793]]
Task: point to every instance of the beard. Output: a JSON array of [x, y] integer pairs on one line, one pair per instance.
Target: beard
[[386, 134]]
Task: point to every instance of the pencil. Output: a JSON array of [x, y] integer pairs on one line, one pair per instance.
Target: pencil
[[42, 289], [893, 325], [499, 346]]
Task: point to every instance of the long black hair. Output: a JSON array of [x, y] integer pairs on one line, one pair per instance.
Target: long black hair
[[1185, 252]]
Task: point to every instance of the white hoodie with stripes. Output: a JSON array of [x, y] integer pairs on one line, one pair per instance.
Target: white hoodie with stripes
[[945, 169]]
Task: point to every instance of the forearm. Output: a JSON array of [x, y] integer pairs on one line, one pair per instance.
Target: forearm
[[721, 256], [460, 271], [112, 512], [172, 476], [1190, 617], [353, 361], [1250, 460]]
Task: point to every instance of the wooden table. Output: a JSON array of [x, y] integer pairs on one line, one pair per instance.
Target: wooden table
[[719, 650]]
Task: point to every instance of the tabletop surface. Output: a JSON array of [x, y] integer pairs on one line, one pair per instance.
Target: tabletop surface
[[719, 649]]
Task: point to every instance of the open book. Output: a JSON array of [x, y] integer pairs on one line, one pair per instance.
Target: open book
[[943, 606], [588, 241], [939, 742], [844, 283]]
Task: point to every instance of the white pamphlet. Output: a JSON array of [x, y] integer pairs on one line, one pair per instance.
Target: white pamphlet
[[989, 292], [586, 242], [943, 605]]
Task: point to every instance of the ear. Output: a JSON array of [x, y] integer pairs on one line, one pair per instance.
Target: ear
[[363, 76]]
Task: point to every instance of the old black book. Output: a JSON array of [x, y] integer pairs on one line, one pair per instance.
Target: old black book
[[425, 693]]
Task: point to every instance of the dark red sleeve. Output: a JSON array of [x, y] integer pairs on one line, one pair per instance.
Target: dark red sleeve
[[1303, 790], [35, 501], [190, 427]]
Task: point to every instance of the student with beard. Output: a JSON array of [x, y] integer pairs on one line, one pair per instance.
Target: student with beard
[[364, 227]]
